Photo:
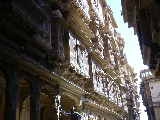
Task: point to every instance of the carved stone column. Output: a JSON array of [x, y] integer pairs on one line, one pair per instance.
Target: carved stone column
[[57, 105], [57, 98], [35, 88], [11, 93]]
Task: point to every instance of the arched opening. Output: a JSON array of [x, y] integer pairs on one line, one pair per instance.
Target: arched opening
[[2, 95], [47, 111], [23, 109], [66, 103], [47, 108]]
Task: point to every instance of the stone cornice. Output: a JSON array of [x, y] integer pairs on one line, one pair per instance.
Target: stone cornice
[[34, 68], [80, 33], [77, 18], [96, 107]]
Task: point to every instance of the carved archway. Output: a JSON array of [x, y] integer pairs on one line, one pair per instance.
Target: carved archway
[[73, 97], [23, 109], [25, 112], [47, 101], [67, 101], [47, 112]]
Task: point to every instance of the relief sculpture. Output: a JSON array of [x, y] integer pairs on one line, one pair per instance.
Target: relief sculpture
[[56, 54], [78, 56]]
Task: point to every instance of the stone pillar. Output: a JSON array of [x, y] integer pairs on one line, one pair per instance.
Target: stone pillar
[[57, 105], [11, 93], [57, 98], [35, 89]]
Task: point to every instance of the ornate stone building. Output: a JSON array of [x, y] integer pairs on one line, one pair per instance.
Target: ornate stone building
[[150, 94], [63, 53], [144, 17]]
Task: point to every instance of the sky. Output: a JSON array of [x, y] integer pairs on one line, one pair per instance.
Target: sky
[[131, 48]]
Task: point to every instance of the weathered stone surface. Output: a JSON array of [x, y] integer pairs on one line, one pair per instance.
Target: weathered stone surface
[[68, 54]]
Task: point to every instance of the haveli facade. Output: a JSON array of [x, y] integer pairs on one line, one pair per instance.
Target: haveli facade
[[63, 53], [150, 94], [144, 17]]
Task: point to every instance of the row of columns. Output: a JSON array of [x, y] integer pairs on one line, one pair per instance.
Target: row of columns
[[11, 96]]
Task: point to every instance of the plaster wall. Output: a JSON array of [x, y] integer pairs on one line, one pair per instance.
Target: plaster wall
[[155, 91], [157, 111]]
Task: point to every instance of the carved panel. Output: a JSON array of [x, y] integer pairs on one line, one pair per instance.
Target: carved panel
[[78, 55], [97, 76]]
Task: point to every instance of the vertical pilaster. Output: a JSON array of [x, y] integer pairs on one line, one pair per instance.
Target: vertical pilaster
[[11, 93], [57, 105], [35, 89], [57, 98]]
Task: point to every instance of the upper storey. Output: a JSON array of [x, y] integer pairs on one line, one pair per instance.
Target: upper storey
[[146, 75], [143, 16], [91, 12]]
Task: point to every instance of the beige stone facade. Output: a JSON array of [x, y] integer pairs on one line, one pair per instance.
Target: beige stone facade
[[150, 94], [62, 53]]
